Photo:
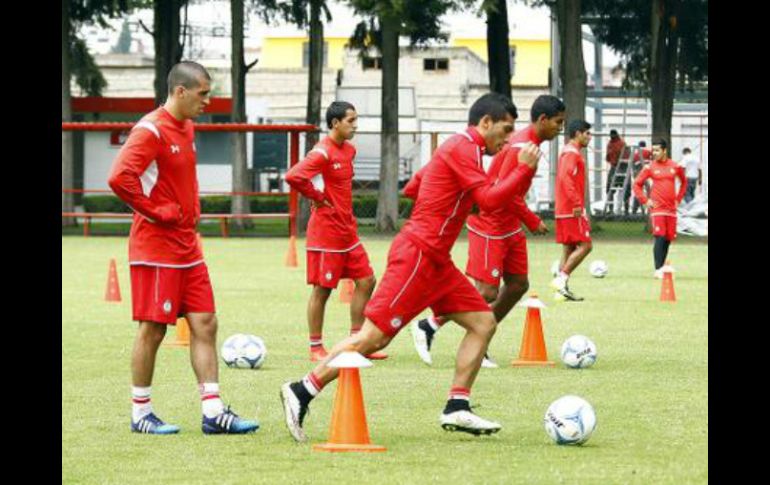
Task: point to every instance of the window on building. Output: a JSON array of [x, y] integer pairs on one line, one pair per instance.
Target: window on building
[[431, 64], [306, 54], [371, 62]]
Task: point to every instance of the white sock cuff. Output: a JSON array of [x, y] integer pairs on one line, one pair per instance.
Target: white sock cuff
[[432, 323], [209, 388], [140, 391]]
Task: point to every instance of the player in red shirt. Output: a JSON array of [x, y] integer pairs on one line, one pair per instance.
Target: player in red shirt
[[497, 245], [420, 272], [573, 229], [663, 199], [155, 174], [334, 251]]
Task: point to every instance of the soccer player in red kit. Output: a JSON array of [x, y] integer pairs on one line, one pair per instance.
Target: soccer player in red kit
[[420, 273], [497, 245], [155, 174], [663, 199], [573, 230], [334, 251]]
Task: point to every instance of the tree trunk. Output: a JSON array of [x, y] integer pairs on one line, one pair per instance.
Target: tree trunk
[[67, 154], [498, 50], [168, 50], [572, 68], [387, 198], [663, 66], [240, 203], [314, 93]]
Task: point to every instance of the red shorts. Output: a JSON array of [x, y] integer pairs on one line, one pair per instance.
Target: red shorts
[[664, 226], [325, 268], [573, 230], [489, 258], [162, 295], [413, 282]]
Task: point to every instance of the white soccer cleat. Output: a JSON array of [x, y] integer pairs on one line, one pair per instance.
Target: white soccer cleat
[[422, 343], [488, 363], [558, 283], [293, 413], [467, 422]]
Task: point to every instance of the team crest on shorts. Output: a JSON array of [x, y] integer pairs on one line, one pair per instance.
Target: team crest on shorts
[[396, 322], [167, 306], [328, 276], [495, 273]]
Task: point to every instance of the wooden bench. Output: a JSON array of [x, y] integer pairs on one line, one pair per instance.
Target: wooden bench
[[223, 218]]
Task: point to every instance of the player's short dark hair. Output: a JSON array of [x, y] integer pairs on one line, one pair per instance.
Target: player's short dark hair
[[187, 74], [661, 142], [577, 125], [547, 105], [337, 111], [495, 105], [613, 133], [642, 143], [686, 151]]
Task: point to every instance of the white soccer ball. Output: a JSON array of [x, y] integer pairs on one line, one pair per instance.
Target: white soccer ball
[[578, 352], [570, 420], [555, 268], [598, 269], [244, 351]]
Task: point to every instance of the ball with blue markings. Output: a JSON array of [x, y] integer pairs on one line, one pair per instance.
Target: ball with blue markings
[[570, 420], [244, 351], [578, 352]]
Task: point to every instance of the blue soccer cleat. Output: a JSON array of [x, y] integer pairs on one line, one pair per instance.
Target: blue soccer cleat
[[227, 422], [152, 424]]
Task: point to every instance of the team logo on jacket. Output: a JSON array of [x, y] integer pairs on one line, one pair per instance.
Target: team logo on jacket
[[328, 276], [495, 273], [396, 322], [337, 166], [174, 148], [167, 306]]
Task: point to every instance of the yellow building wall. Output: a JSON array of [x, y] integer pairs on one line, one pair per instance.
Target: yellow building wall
[[282, 53], [533, 58]]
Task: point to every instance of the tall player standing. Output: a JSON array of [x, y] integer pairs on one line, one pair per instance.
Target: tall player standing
[[155, 175]]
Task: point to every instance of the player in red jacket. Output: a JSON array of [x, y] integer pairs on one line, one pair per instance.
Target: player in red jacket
[[573, 230], [155, 174], [420, 273], [497, 245], [663, 199], [334, 251]]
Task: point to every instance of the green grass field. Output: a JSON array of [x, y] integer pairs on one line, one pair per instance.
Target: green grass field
[[649, 386]]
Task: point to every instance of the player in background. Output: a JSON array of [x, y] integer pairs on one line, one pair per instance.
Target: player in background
[[333, 250], [155, 174], [573, 230], [663, 199], [497, 245]]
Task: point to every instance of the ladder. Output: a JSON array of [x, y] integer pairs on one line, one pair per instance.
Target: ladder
[[622, 180]]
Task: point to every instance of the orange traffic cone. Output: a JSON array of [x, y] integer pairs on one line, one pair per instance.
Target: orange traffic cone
[[348, 430], [113, 287], [667, 288], [182, 334], [291, 253], [346, 291], [532, 351]]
